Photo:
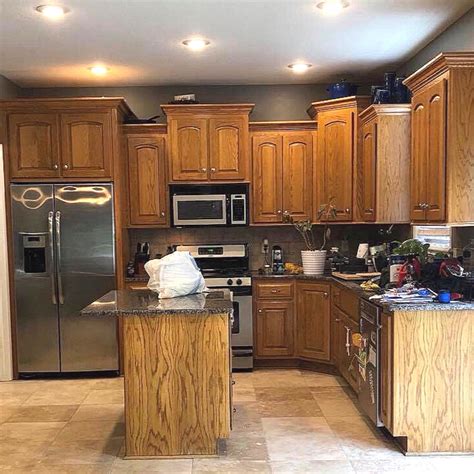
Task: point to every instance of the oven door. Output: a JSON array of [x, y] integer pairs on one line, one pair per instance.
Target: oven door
[[242, 333], [194, 209]]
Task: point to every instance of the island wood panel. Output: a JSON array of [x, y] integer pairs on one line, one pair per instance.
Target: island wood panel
[[188, 148], [433, 377], [267, 178], [177, 390], [386, 369], [229, 148], [297, 175], [147, 180], [33, 144], [86, 145], [313, 321], [460, 146]]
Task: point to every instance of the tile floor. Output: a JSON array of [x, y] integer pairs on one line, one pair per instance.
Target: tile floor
[[287, 421]]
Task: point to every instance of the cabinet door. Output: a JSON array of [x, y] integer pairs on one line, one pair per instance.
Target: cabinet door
[[367, 171], [189, 149], [229, 156], [336, 150], [275, 329], [147, 179], [297, 175], [313, 321], [86, 145], [386, 370], [419, 153], [267, 178], [436, 157], [348, 363], [337, 336], [33, 145]]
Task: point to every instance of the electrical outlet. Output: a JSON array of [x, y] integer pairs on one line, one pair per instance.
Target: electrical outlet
[[264, 248]]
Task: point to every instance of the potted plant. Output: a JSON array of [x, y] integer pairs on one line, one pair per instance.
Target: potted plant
[[314, 259]]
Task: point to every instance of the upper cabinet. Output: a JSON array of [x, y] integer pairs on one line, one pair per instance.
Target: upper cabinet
[[383, 165], [62, 138], [336, 153], [282, 175], [208, 142], [442, 163]]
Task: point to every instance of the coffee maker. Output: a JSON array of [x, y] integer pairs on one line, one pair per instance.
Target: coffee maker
[[278, 265]]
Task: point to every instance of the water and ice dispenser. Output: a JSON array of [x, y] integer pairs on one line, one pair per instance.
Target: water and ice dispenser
[[34, 253]]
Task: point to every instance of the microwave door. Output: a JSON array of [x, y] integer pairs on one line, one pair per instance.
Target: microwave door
[[189, 209]]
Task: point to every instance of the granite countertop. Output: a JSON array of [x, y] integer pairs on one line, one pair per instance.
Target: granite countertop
[[147, 303]]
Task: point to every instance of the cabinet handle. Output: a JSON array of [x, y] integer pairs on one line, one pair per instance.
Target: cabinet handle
[[66, 166], [348, 344], [337, 320], [274, 290], [370, 210], [233, 382], [213, 170], [55, 166], [203, 170]]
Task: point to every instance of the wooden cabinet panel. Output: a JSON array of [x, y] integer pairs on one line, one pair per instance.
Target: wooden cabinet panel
[[386, 370], [274, 290], [147, 180], [335, 161], [313, 321], [86, 145], [189, 149], [33, 145], [348, 363], [347, 301], [337, 337], [297, 175], [228, 139], [267, 178], [367, 170]]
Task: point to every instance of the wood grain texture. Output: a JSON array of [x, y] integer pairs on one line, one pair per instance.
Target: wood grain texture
[[433, 380], [386, 370], [273, 290], [274, 126], [366, 173], [177, 384]]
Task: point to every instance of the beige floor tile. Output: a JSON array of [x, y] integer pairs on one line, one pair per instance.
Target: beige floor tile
[[334, 392], [102, 397], [244, 447], [286, 408], [90, 430], [370, 449], [165, 466], [405, 465], [315, 379], [6, 411], [18, 465], [50, 396], [455, 464], [291, 426], [30, 432], [73, 468], [113, 383], [111, 412], [340, 406], [223, 466], [13, 398], [43, 413], [278, 378], [243, 393], [312, 467], [21, 386], [293, 394], [353, 427]]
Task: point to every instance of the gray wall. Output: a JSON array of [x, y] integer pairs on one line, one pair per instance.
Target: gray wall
[[458, 37], [273, 102], [8, 90]]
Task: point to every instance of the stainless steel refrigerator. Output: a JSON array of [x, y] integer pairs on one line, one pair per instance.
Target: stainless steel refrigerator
[[64, 259]]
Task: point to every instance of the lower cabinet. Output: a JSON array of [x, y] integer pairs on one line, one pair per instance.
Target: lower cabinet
[[313, 321], [275, 328]]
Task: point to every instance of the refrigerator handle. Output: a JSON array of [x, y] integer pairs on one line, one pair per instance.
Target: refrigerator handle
[[58, 256], [51, 247]]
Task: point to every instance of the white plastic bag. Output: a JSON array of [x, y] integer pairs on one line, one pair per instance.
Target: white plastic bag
[[175, 275]]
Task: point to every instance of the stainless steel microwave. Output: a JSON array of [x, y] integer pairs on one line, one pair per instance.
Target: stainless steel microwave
[[204, 205]]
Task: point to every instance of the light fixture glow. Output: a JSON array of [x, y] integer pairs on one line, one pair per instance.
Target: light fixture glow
[[333, 7], [52, 12], [196, 44], [299, 68], [99, 70]]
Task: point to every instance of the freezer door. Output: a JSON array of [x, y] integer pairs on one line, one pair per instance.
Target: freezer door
[[34, 278], [86, 271]]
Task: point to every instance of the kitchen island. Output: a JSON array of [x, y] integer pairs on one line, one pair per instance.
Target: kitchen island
[[177, 370]]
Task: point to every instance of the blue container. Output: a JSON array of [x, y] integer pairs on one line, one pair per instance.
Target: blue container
[[341, 89], [444, 296]]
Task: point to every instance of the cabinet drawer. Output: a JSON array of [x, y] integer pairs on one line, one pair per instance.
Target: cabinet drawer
[[274, 290], [347, 301]]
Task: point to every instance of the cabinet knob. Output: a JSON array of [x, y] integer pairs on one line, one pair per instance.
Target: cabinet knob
[[326, 294], [163, 214], [337, 320], [233, 382], [213, 170], [274, 290], [260, 311], [279, 211], [55, 166], [66, 166], [369, 210], [203, 170], [348, 210]]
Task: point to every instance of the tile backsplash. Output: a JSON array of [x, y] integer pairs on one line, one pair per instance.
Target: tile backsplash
[[285, 236]]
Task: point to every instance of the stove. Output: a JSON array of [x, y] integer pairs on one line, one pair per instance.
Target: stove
[[227, 266]]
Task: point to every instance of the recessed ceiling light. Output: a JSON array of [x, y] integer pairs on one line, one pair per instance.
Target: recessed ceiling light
[[52, 12], [99, 70], [333, 7], [299, 68], [196, 44]]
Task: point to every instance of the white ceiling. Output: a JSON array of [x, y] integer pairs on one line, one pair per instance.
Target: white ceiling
[[252, 41]]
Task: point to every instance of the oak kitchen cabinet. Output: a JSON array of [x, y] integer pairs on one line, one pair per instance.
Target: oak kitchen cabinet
[[383, 165], [62, 138], [442, 167], [208, 142], [147, 191], [336, 153], [282, 163]]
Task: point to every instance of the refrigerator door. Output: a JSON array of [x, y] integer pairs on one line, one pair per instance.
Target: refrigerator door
[[35, 279], [86, 271]]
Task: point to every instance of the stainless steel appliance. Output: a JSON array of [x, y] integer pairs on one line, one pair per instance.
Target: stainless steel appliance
[[63, 238], [369, 361], [218, 205], [227, 266]]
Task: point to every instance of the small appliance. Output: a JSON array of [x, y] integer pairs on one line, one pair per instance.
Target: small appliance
[[277, 259], [204, 205]]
